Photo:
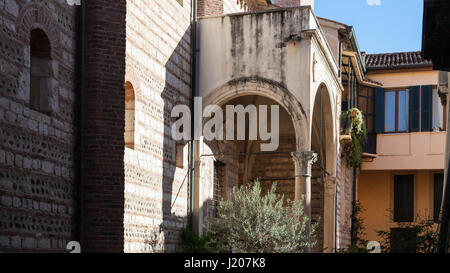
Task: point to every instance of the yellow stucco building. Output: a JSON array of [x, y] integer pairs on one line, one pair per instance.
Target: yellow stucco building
[[402, 182]]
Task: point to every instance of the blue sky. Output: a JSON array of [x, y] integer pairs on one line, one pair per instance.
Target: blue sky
[[381, 25]]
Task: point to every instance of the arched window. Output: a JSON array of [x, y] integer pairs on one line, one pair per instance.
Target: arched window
[[41, 71], [129, 115]]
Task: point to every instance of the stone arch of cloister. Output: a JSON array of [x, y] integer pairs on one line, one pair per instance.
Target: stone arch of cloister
[[271, 90], [324, 127]]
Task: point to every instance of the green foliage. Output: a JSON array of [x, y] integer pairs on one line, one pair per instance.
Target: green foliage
[[251, 223], [358, 132], [421, 237], [360, 245], [197, 244]]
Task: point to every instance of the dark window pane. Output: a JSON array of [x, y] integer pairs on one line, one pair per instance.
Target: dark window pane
[[40, 71], [370, 124], [404, 198], [371, 144], [363, 105]]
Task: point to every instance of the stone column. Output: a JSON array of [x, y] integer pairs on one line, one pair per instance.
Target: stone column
[[329, 214], [303, 162]]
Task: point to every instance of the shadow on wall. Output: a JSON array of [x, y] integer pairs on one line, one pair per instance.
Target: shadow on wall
[[175, 192]]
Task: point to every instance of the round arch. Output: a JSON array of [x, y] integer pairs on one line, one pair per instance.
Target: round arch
[[271, 90], [28, 21], [323, 115]]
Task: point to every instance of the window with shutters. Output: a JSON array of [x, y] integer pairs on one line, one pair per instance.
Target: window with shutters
[[413, 109], [438, 192], [403, 198]]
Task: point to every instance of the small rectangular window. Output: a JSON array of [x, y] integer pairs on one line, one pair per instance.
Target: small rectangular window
[[404, 198]]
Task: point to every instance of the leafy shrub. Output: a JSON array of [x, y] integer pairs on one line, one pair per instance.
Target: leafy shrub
[[197, 244], [360, 245], [251, 223], [420, 237]]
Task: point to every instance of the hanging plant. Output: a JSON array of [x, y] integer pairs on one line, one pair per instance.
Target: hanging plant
[[358, 133]]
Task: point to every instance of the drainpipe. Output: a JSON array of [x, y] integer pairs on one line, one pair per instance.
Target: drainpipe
[[193, 95]]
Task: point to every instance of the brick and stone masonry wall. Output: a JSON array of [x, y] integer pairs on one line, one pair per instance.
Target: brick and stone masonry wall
[[210, 7], [293, 3], [218, 7], [158, 65], [344, 197], [232, 6], [37, 170], [286, 3]]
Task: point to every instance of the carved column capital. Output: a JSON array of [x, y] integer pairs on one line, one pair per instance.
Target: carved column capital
[[303, 162]]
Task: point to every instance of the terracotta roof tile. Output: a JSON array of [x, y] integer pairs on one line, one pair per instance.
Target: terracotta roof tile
[[396, 60]]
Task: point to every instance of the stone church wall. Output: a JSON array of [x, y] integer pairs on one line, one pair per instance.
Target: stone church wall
[[37, 161]]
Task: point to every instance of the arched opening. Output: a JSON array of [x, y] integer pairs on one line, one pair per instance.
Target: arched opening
[[41, 71], [129, 115], [322, 194], [322, 141], [239, 162]]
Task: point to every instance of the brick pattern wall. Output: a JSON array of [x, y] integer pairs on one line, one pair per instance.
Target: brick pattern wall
[[103, 126], [158, 65], [279, 167], [344, 201], [232, 6], [231, 176], [318, 205], [210, 7], [218, 7], [37, 170], [286, 3]]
